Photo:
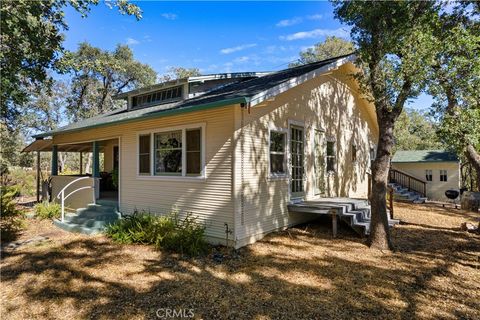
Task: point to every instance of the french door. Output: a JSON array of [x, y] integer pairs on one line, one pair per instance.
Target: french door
[[297, 159]]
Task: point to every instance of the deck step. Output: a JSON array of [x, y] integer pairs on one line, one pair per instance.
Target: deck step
[[354, 212]]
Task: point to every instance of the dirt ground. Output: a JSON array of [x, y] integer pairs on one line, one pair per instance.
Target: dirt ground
[[300, 273]]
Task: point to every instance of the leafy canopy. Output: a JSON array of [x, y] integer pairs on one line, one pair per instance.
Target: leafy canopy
[[331, 47], [31, 38], [415, 130], [98, 75]]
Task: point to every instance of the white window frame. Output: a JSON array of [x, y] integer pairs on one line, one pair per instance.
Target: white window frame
[[446, 175], [428, 172], [184, 176], [285, 152], [335, 156]]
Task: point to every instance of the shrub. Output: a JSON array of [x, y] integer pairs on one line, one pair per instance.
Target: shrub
[[48, 210], [169, 232], [24, 179], [10, 217]]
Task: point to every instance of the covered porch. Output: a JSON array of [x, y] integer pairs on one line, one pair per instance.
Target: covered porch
[[96, 178]]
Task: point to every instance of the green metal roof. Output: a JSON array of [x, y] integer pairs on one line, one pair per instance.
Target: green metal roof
[[402, 156]]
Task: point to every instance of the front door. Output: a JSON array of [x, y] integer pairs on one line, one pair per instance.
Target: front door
[[319, 162], [297, 157]]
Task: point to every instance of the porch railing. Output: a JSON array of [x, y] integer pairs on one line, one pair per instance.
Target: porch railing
[[408, 181], [61, 195]]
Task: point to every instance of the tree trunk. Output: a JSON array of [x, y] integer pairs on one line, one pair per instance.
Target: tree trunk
[[474, 159], [62, 157], [379, 231], [89, 163]]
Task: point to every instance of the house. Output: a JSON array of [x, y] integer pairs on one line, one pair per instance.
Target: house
[[439, 170], [235, 150]]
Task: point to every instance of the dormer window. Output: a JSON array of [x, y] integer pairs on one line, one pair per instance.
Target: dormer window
[[157, 97]]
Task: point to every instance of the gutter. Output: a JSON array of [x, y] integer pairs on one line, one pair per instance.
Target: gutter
[[159, 114]]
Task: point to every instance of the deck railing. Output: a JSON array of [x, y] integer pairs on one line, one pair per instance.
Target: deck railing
[[61, 195], [408, 181]]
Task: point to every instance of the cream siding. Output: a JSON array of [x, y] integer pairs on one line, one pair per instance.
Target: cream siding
[[209, 199], [328, 102], [436, 188]]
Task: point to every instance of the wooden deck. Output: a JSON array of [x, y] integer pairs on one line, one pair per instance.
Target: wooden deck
[[355, 212]]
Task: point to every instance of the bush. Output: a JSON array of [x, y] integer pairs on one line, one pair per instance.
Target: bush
[[10, 217], [48, 210], [168, 232], [25, 179]]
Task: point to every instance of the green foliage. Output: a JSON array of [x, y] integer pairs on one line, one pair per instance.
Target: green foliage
[[10, 217], [9, 193], [331, 47], [99, 75], [180, 73], [415, 130], [454, 80], [32, 40], [461, 128], [24, 180], [169, 232], [48, 210]]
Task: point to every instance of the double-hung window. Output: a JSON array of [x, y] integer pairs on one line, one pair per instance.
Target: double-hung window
[[168, 153], [443, 175], [331, 157], [144, 154], [176, 152], [278, 141], [428, 175]]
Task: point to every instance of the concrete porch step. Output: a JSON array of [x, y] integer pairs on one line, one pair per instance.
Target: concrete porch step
[[90, 220]]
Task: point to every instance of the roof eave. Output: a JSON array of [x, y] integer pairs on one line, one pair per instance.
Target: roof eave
[[164, 113]]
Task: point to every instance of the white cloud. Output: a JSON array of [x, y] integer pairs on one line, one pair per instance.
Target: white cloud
[[237, 48], [317, 33], [289, 22], [315, 17], [132, 41], [169, 16]]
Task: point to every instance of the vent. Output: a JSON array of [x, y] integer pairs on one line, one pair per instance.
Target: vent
[[157, 97]]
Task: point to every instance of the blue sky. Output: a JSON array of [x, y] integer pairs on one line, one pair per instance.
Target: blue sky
[[212, 36]]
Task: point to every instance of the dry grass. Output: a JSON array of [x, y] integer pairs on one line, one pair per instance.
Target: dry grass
[[297, 274]]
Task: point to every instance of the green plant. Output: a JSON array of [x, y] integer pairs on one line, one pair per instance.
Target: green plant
[[25, 180], [47, 210], [10, 217], [169, 232]]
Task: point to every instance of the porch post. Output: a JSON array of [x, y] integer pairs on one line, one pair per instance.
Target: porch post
[[81, 162], [38, 176], [54, 160], [96, 160]]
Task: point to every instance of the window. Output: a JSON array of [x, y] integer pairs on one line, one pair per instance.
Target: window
[[428, 175], [174, 153], [277, 152], [161, 96], [331, 158], [194, 145], [354, 153], [144, 155], [443, 175], [168, 152]]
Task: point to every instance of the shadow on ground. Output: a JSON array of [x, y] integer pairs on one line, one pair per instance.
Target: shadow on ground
[[297, 274]]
